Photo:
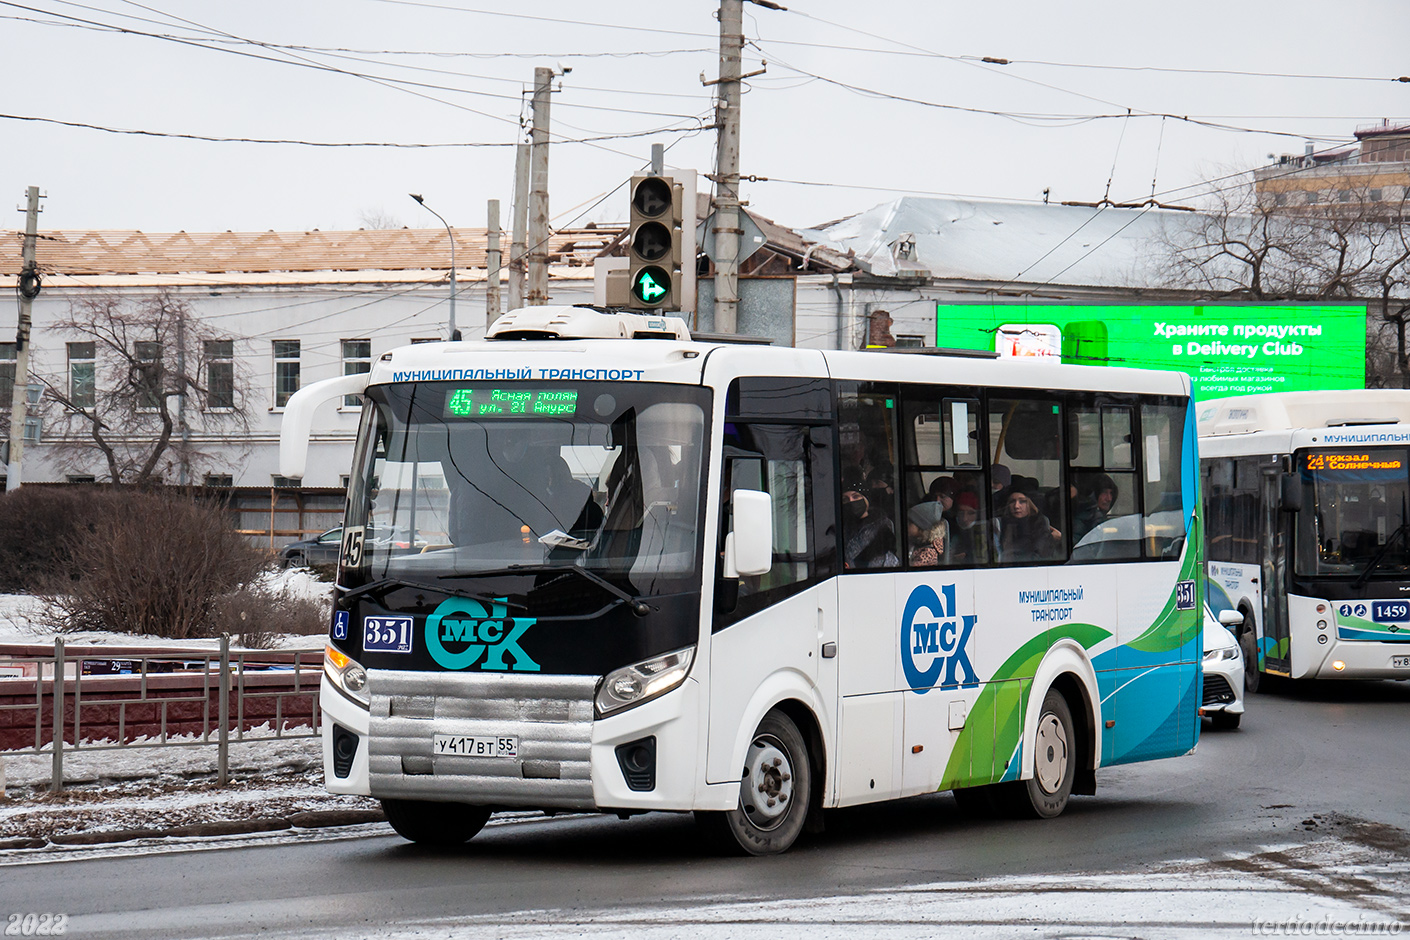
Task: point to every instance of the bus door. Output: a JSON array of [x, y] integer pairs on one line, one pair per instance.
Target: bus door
[[1273, 551], [781, 627]]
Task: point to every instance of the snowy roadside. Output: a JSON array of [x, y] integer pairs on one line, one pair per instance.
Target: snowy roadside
[[119, 794], [114, 796]]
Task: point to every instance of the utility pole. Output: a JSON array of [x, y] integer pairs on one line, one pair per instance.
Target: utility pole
[[538, 199], [492, 267], [29, 289], [727, 227], [518, 244]]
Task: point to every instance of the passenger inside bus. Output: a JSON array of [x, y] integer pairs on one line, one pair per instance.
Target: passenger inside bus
[[927, 532], [1024, 532], [1096, 495], [870, 536]]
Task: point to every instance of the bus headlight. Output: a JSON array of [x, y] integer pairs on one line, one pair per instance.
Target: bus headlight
[[347, 674], [643, 681]]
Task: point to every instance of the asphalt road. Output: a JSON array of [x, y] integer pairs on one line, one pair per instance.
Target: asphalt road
[[1305, 808]]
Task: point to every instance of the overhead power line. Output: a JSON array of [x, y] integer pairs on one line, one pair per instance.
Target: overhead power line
[[321, 143]]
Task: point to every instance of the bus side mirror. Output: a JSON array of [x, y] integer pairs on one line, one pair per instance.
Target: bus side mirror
[[749, 549], [1230, 618], [1290, 499]]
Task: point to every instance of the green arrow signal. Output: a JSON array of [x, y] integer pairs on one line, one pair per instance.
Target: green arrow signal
[[648, 288]]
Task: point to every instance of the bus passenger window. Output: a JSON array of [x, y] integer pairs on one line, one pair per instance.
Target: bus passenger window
[[1163, 432], [1025, 438], [870, 496]]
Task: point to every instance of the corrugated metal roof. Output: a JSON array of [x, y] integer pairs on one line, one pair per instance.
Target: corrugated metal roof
[[139, 253]]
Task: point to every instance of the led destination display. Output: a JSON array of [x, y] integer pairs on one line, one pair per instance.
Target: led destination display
[[1351, 461], [511, 402]]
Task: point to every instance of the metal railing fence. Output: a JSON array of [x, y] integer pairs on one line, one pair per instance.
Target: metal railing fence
[[119, 698]]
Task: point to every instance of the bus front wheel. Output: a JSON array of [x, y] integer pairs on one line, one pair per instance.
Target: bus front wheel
[[1054, 764], [774, 793], [435, 823]]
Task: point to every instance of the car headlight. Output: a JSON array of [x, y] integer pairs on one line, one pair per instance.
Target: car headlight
[[640, 682], [1214, 656], [347, 674]]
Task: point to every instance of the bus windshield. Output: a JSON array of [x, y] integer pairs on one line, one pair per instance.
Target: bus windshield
[[457, 479], [1354, 506]]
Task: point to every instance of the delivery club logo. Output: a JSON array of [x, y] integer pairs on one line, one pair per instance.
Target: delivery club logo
[[935, 641], [461, 630]]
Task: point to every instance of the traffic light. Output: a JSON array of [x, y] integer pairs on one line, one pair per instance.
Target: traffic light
[[654, 247]]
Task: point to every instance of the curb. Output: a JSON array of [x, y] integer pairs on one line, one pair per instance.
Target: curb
[[313, 819]]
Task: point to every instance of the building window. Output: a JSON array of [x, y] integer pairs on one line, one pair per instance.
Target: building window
[[81, 478], [220, 374], [219, 479], [1280, 199], [1375, 195], [905, 341], [277, 480], [357, 358], [148, 356], [82, 375], [1312, 199], [8, 355], [286, 370], [415, 340], [1344, 195]]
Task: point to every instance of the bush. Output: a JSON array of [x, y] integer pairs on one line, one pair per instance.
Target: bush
[[39, 523], [151, 564], [260, 617]]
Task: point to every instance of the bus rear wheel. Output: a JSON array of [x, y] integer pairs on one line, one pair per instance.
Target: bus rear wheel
[[1054, 765], [431, 823], [774, 793]]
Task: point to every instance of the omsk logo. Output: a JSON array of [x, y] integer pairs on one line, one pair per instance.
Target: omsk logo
[[461, 630], [935, 639]]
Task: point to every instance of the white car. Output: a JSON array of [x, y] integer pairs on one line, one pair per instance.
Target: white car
[[1223, 702]]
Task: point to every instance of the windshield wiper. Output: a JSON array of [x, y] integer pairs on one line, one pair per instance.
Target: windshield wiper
[[384, 583], [1395, 536], [637, 605]]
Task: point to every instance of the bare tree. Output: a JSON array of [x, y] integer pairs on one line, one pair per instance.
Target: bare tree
[[1340, 244], [161, 384], [378, 219]]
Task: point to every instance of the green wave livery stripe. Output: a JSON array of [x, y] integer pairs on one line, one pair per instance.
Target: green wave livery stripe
[[1354, 628], [995, 723], [1170, 630]]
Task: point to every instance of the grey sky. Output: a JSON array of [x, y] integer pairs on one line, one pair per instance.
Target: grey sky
[[795, 127]]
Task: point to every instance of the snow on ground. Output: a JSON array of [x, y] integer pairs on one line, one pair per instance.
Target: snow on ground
[[160, 787], [22, 620]]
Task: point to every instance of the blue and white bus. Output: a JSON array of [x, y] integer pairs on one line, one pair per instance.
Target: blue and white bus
[[1309, 530], [754, 583]]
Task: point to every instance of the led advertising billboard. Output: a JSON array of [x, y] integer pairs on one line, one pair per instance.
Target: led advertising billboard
[[1227, 349]]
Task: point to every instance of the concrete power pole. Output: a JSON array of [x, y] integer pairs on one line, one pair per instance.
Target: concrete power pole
[[492, 267], [518, 244], [29, 289], [727, 227], [538, 199]]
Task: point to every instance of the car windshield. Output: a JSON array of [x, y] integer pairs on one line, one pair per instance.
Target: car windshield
[[479, 478], [1354, 506]]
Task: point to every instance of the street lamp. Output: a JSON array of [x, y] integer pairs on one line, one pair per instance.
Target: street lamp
[[454, 333]]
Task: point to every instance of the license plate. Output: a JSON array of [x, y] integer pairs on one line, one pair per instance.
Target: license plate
[[1401, 662], [473, 745]]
